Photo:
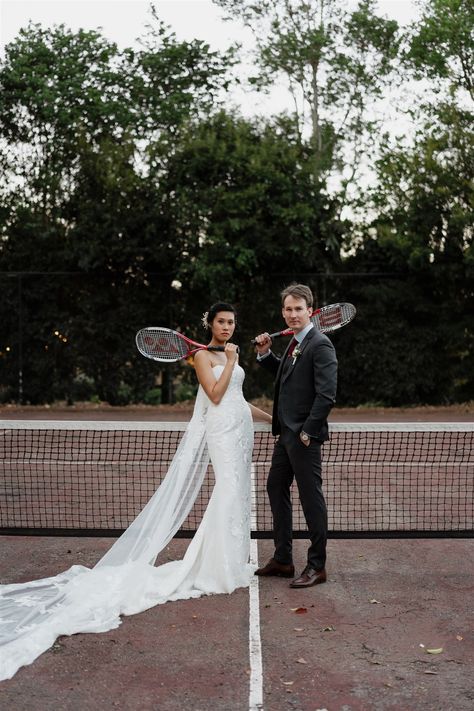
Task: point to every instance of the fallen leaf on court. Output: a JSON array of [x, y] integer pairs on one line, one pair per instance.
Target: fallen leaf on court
[[268, 605], [298, 629], [430, 672], [458, 637], [301, 661], [287, 683], [194, 617], [375, 602], [422, 645], [374, 661], [329, 628], [299, 610], [435, 651]]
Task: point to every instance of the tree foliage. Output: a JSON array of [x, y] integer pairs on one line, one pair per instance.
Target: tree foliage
[[424, 200], [336, 63], [80, 193], [442, 44]]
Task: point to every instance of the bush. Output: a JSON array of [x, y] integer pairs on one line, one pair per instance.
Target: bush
[[82, 388], [152, 397], [124, 395], [185, 391]]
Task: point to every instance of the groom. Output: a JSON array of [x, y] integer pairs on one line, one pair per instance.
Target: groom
[[305, 391]]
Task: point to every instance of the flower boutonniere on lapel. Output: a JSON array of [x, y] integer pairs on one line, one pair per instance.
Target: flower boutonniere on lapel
[[296, 353]]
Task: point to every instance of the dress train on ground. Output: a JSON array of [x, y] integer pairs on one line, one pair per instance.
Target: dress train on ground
[[125, 581]]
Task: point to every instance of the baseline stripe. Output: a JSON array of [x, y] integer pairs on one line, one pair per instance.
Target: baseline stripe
[[255, 643]]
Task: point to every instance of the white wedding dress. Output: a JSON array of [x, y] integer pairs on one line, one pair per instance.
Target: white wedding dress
[[125, 581]]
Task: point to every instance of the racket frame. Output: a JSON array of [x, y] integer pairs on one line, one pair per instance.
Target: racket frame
[[192, 346], [316, 320]]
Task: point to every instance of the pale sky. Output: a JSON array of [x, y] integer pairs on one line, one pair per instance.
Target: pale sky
[[122, 21]]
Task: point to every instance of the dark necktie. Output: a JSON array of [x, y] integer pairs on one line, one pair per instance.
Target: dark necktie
[[292, 347]]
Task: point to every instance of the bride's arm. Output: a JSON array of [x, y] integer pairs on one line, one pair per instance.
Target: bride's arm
[[259, 415], [213, 388]]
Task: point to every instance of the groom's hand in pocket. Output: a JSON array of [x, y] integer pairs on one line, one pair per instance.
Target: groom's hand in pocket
[[306, 439]]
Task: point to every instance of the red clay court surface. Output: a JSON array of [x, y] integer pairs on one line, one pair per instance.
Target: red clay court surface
[[356, 646]]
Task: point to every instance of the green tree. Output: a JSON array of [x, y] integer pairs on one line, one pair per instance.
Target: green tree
[[80, 194], [336, 63], [442, 45], [248, 217], [423, 230]]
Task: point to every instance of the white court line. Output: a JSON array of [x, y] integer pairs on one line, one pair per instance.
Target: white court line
[[255, 643]]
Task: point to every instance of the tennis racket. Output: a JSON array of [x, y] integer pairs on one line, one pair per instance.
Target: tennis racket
[[167, 346], [326, 319]]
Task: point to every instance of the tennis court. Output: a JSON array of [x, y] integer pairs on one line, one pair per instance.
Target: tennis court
[[359, 642]]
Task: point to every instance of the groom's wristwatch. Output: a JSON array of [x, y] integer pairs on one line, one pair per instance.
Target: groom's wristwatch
[[305, 437]]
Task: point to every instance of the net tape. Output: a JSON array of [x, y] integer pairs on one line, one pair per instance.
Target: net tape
[[380, 480]]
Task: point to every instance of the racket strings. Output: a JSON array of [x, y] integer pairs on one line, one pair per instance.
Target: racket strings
[[165, 345], [334, 316]]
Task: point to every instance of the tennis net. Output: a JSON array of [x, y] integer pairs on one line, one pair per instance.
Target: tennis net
[[93, 478]]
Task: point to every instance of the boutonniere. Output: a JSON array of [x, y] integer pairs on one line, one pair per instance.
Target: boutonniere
[[295, 354]]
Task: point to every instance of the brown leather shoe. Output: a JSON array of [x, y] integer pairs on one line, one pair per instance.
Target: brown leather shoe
[[279, 569], [309, 577]]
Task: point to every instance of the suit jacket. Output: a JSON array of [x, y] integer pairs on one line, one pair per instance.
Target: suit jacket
[[305, 391]]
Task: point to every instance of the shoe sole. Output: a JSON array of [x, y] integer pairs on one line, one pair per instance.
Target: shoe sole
[[308, 585], [274, 575]]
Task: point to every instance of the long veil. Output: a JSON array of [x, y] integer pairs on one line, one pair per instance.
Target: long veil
[[34, 614]]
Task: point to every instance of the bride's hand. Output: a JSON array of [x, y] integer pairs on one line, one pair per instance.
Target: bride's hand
[[231, 352]]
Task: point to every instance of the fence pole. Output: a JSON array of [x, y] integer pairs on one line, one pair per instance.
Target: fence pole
[[20, 340]]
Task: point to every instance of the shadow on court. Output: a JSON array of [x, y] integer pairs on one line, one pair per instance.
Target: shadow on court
[[360, 642]]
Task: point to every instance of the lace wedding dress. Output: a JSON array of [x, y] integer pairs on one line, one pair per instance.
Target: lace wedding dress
[[125, 581]]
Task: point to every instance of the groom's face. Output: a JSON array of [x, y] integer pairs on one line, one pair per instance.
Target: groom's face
[[297, 313]]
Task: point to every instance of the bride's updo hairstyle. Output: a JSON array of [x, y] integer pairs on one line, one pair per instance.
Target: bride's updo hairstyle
[[209, 316]]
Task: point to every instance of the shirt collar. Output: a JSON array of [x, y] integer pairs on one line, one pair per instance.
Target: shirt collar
[[300, 336]]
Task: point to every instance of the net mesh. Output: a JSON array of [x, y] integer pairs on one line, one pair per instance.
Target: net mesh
[[95, 477]]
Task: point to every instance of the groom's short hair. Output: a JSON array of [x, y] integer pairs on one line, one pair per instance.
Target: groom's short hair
[[298, 291]]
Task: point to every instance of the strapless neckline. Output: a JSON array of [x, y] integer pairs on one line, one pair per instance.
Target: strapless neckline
[[223, 366]]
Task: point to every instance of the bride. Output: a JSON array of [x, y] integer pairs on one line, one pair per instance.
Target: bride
[[126, 581]]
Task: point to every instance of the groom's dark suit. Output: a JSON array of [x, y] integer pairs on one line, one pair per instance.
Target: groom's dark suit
[[305, 391]]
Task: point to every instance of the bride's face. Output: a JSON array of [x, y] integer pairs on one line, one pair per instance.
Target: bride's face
[[223, 326]]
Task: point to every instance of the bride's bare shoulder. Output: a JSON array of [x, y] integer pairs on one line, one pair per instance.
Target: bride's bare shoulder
[[203, 359]]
